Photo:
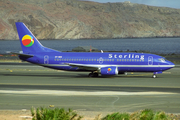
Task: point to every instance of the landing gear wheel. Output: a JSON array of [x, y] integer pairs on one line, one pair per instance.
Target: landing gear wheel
[[96, 74], [93, 74], [154, 76], [90, 75]]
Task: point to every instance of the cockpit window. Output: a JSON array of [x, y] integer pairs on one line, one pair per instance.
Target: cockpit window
[[162, 59]]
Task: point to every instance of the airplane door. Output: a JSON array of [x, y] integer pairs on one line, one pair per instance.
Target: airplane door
[[46, 59], [150, 60], [101, 60]]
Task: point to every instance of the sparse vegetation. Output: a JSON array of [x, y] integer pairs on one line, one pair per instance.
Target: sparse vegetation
[[117, 116], [43, 113], [146, 114]]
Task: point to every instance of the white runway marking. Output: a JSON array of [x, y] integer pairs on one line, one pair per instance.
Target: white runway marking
[[80, 93]]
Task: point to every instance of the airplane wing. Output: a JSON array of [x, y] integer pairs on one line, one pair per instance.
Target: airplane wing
[[84, 66]]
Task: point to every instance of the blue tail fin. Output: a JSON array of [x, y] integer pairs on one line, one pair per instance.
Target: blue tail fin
[[29, 43]]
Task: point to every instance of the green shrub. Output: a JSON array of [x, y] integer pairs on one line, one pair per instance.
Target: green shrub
[[147, 114], [54, 114], [62, 114], [135, 116], [160, 115], [117, 116]]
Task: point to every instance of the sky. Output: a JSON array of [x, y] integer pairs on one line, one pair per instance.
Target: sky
[[160, 3]]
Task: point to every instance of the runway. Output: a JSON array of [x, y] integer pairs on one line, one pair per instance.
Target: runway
[[25, 85]]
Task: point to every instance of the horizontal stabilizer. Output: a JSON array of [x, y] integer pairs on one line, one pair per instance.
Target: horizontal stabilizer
[[23, 55]]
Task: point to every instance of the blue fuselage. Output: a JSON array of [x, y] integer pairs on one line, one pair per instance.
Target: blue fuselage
[[125, 62]]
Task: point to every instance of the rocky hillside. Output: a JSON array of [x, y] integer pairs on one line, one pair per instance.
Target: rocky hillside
[[73, 19]]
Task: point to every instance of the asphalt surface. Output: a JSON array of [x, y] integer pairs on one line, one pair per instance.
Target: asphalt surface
[[23, 85]]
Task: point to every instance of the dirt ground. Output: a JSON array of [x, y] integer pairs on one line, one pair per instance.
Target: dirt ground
[[26, 115], [15, 115]]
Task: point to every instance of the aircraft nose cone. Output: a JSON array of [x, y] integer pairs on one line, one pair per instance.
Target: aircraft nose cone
[[171, 64]]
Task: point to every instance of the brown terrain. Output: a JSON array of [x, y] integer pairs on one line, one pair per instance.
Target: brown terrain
[[26, 115], [73, 19]]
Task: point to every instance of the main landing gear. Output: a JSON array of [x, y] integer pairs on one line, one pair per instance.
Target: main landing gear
[[154, 76], [93, 74]]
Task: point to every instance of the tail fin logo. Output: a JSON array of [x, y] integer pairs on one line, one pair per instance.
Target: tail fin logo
[[27, 40]]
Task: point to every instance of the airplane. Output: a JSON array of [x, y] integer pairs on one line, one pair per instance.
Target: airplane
[[106, 64]]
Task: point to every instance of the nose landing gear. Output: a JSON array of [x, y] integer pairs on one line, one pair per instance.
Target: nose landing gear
[[154, 76]]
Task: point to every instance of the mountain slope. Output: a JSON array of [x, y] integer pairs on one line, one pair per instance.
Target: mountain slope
[[72, 19]]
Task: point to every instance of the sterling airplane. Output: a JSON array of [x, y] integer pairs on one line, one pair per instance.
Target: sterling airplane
[[97, 63]]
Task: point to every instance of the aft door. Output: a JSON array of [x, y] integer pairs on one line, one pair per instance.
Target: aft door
[[46, 59], [150, 60]]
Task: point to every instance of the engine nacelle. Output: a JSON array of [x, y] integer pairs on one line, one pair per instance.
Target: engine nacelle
[[109, 71]]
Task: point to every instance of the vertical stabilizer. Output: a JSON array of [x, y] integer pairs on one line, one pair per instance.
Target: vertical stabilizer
[[29, 43]]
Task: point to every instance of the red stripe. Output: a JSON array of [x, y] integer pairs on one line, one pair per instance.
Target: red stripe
[[26, 42]]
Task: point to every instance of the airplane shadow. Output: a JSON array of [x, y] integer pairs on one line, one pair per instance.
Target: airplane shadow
[[40, 75], [76, 76]]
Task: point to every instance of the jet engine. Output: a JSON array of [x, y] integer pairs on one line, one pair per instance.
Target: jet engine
[[109, 71]]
